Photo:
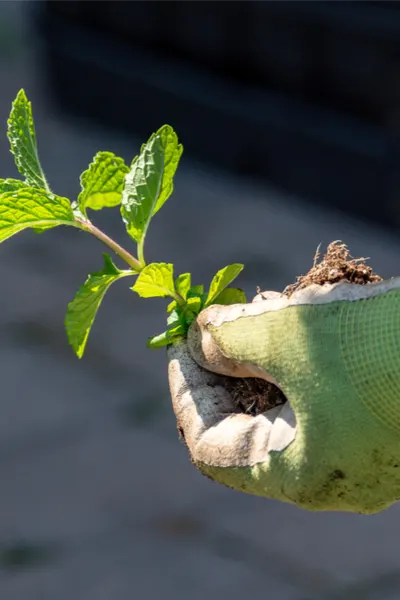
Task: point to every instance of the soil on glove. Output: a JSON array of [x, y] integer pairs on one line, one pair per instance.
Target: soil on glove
[[336, 265], [254, 396]]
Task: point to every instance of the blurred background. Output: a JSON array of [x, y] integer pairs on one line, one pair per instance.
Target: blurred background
[[290, 115]]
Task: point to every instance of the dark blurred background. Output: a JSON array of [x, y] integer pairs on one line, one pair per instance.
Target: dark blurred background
[[263, 89], [289, 115]]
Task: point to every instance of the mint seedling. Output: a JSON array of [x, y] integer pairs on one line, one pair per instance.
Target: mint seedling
[[140, 189]]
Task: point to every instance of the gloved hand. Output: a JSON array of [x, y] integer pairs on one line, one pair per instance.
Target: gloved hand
[[334, 351]]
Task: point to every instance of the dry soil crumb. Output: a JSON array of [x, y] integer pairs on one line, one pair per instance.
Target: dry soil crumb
[[253, 395], [336, 265]]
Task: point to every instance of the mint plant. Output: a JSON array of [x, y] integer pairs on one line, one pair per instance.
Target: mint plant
[[140, 189]]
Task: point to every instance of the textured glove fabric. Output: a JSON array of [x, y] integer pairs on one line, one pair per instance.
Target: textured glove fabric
[[335, 353]]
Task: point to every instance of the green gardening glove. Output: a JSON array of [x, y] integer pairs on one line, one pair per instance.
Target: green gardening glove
[[334, 351]]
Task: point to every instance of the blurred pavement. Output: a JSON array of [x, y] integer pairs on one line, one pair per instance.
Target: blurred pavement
[[99, 500]]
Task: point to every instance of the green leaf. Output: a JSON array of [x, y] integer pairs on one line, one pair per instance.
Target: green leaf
[[189, 315], [174, 318], [194, 304], [26, 207], [182, 284], [196, 291], [166, 338], [11, 185], [172, 154], [221, 279], [171, 306], [177, 330], [141, 189], [149, 181], [22, 137], [155, 280], [231, 296], [103, 182], [82, 310], [158, 341]]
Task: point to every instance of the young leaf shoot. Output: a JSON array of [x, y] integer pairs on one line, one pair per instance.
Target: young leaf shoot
[[141, 190]]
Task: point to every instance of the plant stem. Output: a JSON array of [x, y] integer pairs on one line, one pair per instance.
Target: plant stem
[[141, 253], [179, 300], [121, 252]]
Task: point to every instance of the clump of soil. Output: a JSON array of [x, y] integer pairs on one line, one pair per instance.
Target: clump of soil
[[254, 396], [336, 265]]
